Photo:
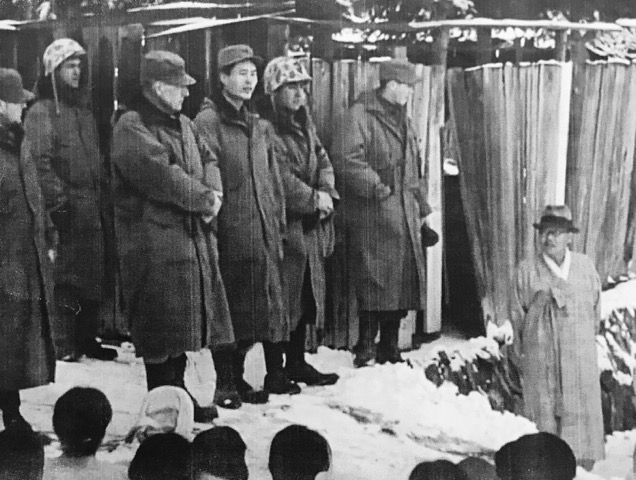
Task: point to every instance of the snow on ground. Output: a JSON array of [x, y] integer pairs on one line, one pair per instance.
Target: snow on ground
[[380, 421]]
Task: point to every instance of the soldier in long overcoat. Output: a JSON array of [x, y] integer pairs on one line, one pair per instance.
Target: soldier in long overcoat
[[61, 138], [379, 178], [310, 193], [167, 193], [251, 227], [26, 270]]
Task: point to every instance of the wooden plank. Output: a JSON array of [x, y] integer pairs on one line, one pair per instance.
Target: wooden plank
[[433, 317], [321, 98]]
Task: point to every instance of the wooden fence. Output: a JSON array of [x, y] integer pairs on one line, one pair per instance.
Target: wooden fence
[[335, 87], [511, 124], [600, 161]]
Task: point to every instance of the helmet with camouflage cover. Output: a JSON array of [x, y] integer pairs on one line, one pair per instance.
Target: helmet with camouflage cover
[[59, 51], [284, 70]]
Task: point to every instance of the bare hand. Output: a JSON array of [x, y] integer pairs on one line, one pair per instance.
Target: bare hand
[[325, 203]]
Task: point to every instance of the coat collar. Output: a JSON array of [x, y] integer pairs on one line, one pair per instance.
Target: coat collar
[[10, 136], [228, 113], [152, 115], [383, 111]]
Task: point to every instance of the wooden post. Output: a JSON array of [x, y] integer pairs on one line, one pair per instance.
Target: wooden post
[[484, 46], [561, 47], [277, 34], [208, 62], [9, 50], [433, 318]]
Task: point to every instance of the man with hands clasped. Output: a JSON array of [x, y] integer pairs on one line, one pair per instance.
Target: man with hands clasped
[[167, 190]]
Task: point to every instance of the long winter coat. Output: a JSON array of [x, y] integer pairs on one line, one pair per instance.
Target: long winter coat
[[373, 148], [26, 274], [251, 221], [172, 291], [555, 322], [305, 169], [65, 149]]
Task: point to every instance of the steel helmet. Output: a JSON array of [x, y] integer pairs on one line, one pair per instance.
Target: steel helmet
[[284, 70], [59, 51]]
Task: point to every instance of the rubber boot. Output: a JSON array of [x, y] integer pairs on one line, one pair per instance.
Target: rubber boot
[[158, 374], [296, 368], [87, 326], [225, 395], [388, 350], [11, 416], [365, 348], [201, 414], [276, 380], [244, 389], [13, 419]]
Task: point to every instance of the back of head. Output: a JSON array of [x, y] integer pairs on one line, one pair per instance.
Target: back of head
[[164, 456], [220, 451], [21, 455], [80, 419], [298, 452], [478, 469], [437, 470], [539, 456]]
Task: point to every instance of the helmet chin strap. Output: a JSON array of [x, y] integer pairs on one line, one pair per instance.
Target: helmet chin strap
[[55, 94]]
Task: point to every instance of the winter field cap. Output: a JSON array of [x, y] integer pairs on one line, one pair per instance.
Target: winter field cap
[[556, 216], [11, 90], [58, 52], [233, 54], [398, 70], [166, 67], [283, 70]]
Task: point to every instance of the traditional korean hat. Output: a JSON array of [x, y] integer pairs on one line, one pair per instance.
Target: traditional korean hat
[[556, 216]]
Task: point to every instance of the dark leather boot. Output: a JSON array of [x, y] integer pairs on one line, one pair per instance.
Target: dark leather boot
[[365, 348], [388, 350], [225, 395], [244, 389], [276, 380], [13, 420], [297, 369]]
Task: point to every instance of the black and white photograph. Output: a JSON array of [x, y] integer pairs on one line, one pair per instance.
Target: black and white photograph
[[317, 239]]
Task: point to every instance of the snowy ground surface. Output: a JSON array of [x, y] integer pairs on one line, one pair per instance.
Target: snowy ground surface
[[380, 421]]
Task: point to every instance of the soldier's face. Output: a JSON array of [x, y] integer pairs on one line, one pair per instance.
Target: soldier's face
[[241, 81], [13, 111], [172, 95], [292, 95], [71, 72], [403, 92]]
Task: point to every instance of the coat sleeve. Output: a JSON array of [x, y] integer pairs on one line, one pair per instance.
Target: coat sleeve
[[277, 180], [210, 160], [143, 161], [519, 307], [300, 198], [40, 145], [349, 157], [326, 176]]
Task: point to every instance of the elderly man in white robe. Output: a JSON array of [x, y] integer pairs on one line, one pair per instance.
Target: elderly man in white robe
[[555, 317]]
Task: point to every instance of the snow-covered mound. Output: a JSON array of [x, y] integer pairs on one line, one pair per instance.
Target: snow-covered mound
[[406, 404]]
